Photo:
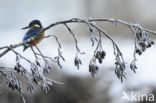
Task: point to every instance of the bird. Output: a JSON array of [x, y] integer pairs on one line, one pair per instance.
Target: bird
[[34, 28]]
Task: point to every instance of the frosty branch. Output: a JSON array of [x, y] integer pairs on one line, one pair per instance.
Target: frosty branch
[[142, 41]]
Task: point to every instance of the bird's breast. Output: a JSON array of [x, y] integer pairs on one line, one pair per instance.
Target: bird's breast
[[37, 40]]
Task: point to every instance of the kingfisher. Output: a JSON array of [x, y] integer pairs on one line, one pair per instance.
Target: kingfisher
[[34, 27]]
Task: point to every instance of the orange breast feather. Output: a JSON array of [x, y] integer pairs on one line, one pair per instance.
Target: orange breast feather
[[36, 41]]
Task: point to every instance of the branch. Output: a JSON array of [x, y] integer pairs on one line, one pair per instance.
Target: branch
[[142, 41]]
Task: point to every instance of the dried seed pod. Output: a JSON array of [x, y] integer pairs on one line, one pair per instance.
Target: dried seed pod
[[152, 42], [142, 44], [143, 41], [35, 80], [15, 68], [98, 54], [100, 60], [38, 64], [77, 62], [119, 69], [149, 45], [117, 63], [16, 87], [93, 68], [133, 66], [103, 54], [139, 35], [18, 70], [138, 51], [9, 85]]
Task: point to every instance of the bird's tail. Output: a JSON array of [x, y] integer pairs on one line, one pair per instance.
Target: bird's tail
[[25, 47]]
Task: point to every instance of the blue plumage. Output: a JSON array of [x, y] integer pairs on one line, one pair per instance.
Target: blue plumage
[[25, 47], [35, 27], [31, 32]]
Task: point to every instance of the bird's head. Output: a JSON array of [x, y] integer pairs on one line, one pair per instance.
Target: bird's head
[[34, 23]]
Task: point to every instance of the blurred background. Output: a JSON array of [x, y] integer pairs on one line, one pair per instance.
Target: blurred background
[[79, 86]]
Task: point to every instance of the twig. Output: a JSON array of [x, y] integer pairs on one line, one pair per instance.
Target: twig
[[142, 41]]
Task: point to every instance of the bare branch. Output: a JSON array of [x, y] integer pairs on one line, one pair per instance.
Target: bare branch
[[142, 41]]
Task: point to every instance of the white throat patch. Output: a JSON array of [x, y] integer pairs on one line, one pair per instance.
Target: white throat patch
[[36, 25]]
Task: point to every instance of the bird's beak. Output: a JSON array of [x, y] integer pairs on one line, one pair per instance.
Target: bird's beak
[[26, 27]]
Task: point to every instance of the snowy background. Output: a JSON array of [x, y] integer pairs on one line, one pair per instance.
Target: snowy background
[[18, 13]]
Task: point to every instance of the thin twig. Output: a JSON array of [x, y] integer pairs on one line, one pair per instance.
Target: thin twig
[[141, 37]]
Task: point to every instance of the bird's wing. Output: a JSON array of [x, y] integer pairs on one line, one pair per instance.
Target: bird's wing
[[31, 32]]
